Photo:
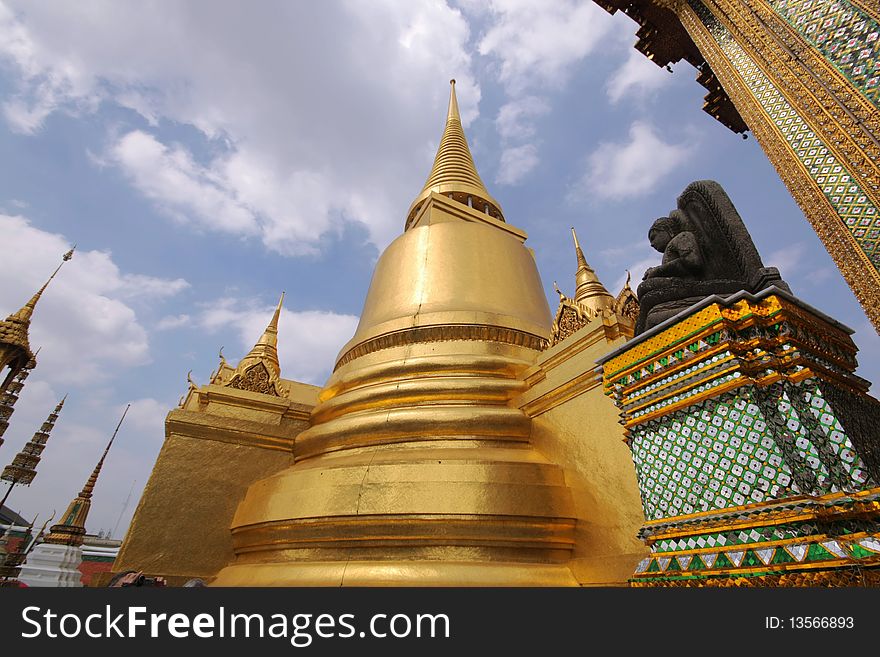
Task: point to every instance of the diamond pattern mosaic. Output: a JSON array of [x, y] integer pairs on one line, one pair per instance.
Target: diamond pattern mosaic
[[712, 455], [859, 215], [825, 532], [847, 37], [775, 557], [726, 452]]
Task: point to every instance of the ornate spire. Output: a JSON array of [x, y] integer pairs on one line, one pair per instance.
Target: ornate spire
[[23, 468], [15, 351], [627, 303], [24, 314], [454, 173], [11, 394], [589, 292], [72, 528], [260, 370]]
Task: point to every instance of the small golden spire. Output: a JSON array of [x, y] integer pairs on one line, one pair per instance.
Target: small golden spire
[[589, 291], [454, 173], [266, 348]]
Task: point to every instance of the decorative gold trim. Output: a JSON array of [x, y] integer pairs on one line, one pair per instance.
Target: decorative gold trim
[[445, 333], [189, 424]]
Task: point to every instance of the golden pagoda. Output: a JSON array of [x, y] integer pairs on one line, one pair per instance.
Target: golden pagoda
[[452, 445]]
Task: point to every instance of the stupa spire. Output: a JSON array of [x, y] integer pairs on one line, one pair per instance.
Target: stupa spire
[[589, 291], [24, 314], [15, 350], [454, 173], [72, 528], [266, 348], [259, 370]]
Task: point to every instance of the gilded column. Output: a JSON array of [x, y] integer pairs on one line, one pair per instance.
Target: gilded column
[[804, 77]]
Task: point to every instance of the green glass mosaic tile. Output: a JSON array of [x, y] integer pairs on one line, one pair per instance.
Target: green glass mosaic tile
[[751, 560], [712, 455], [781, 556], [817, 553], [845, 35], [857, 213], [860, 553], [723, 562]]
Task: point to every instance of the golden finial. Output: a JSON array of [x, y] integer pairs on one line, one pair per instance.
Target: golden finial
[[24, 315], [266, 348], [86, 492], [582, 261], [189, 379], [558, 291], [454, 173], [222, 357], [589, 291], [628, 277]]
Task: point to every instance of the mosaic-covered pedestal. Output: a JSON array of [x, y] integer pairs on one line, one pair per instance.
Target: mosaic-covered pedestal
[[757, 449]]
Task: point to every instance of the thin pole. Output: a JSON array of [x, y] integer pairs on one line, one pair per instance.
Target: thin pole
[[8, 490]]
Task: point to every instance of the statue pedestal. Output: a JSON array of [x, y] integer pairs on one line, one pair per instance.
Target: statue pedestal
[[755, 446], [53, 565]]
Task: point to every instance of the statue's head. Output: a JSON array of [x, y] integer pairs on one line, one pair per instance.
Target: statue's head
[[662, 231]]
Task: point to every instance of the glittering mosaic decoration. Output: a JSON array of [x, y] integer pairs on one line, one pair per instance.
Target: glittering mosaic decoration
[[858, 214], [741, 449], [803, 541], [845, 35], [755, 447]]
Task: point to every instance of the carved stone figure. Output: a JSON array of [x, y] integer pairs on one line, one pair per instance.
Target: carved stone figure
[[706, 250]]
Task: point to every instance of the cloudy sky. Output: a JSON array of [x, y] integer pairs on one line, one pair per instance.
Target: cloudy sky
[[204, 156]]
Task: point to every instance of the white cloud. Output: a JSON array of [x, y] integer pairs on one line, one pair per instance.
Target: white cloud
[[82, 322], [538, 43], [516, 163], [637, 75], [147, 416], [787, 259], [534, 45], [516, 118], [308, 340], [179, 186], [170, 322], [621, 170], [300, 156]]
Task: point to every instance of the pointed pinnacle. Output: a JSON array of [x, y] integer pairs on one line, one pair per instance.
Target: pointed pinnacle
[[24, 315], [454, 173], [273, 325], [452, 112], [582, 261], [93, 479]]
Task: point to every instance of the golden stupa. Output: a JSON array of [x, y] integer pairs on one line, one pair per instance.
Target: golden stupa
[[452, 444]]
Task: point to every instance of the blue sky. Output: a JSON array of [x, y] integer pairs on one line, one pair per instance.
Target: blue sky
[[205, 156]]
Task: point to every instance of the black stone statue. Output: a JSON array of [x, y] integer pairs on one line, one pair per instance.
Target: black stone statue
[[706, 250]]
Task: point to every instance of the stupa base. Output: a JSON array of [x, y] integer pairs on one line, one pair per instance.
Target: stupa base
[[396, 573]]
